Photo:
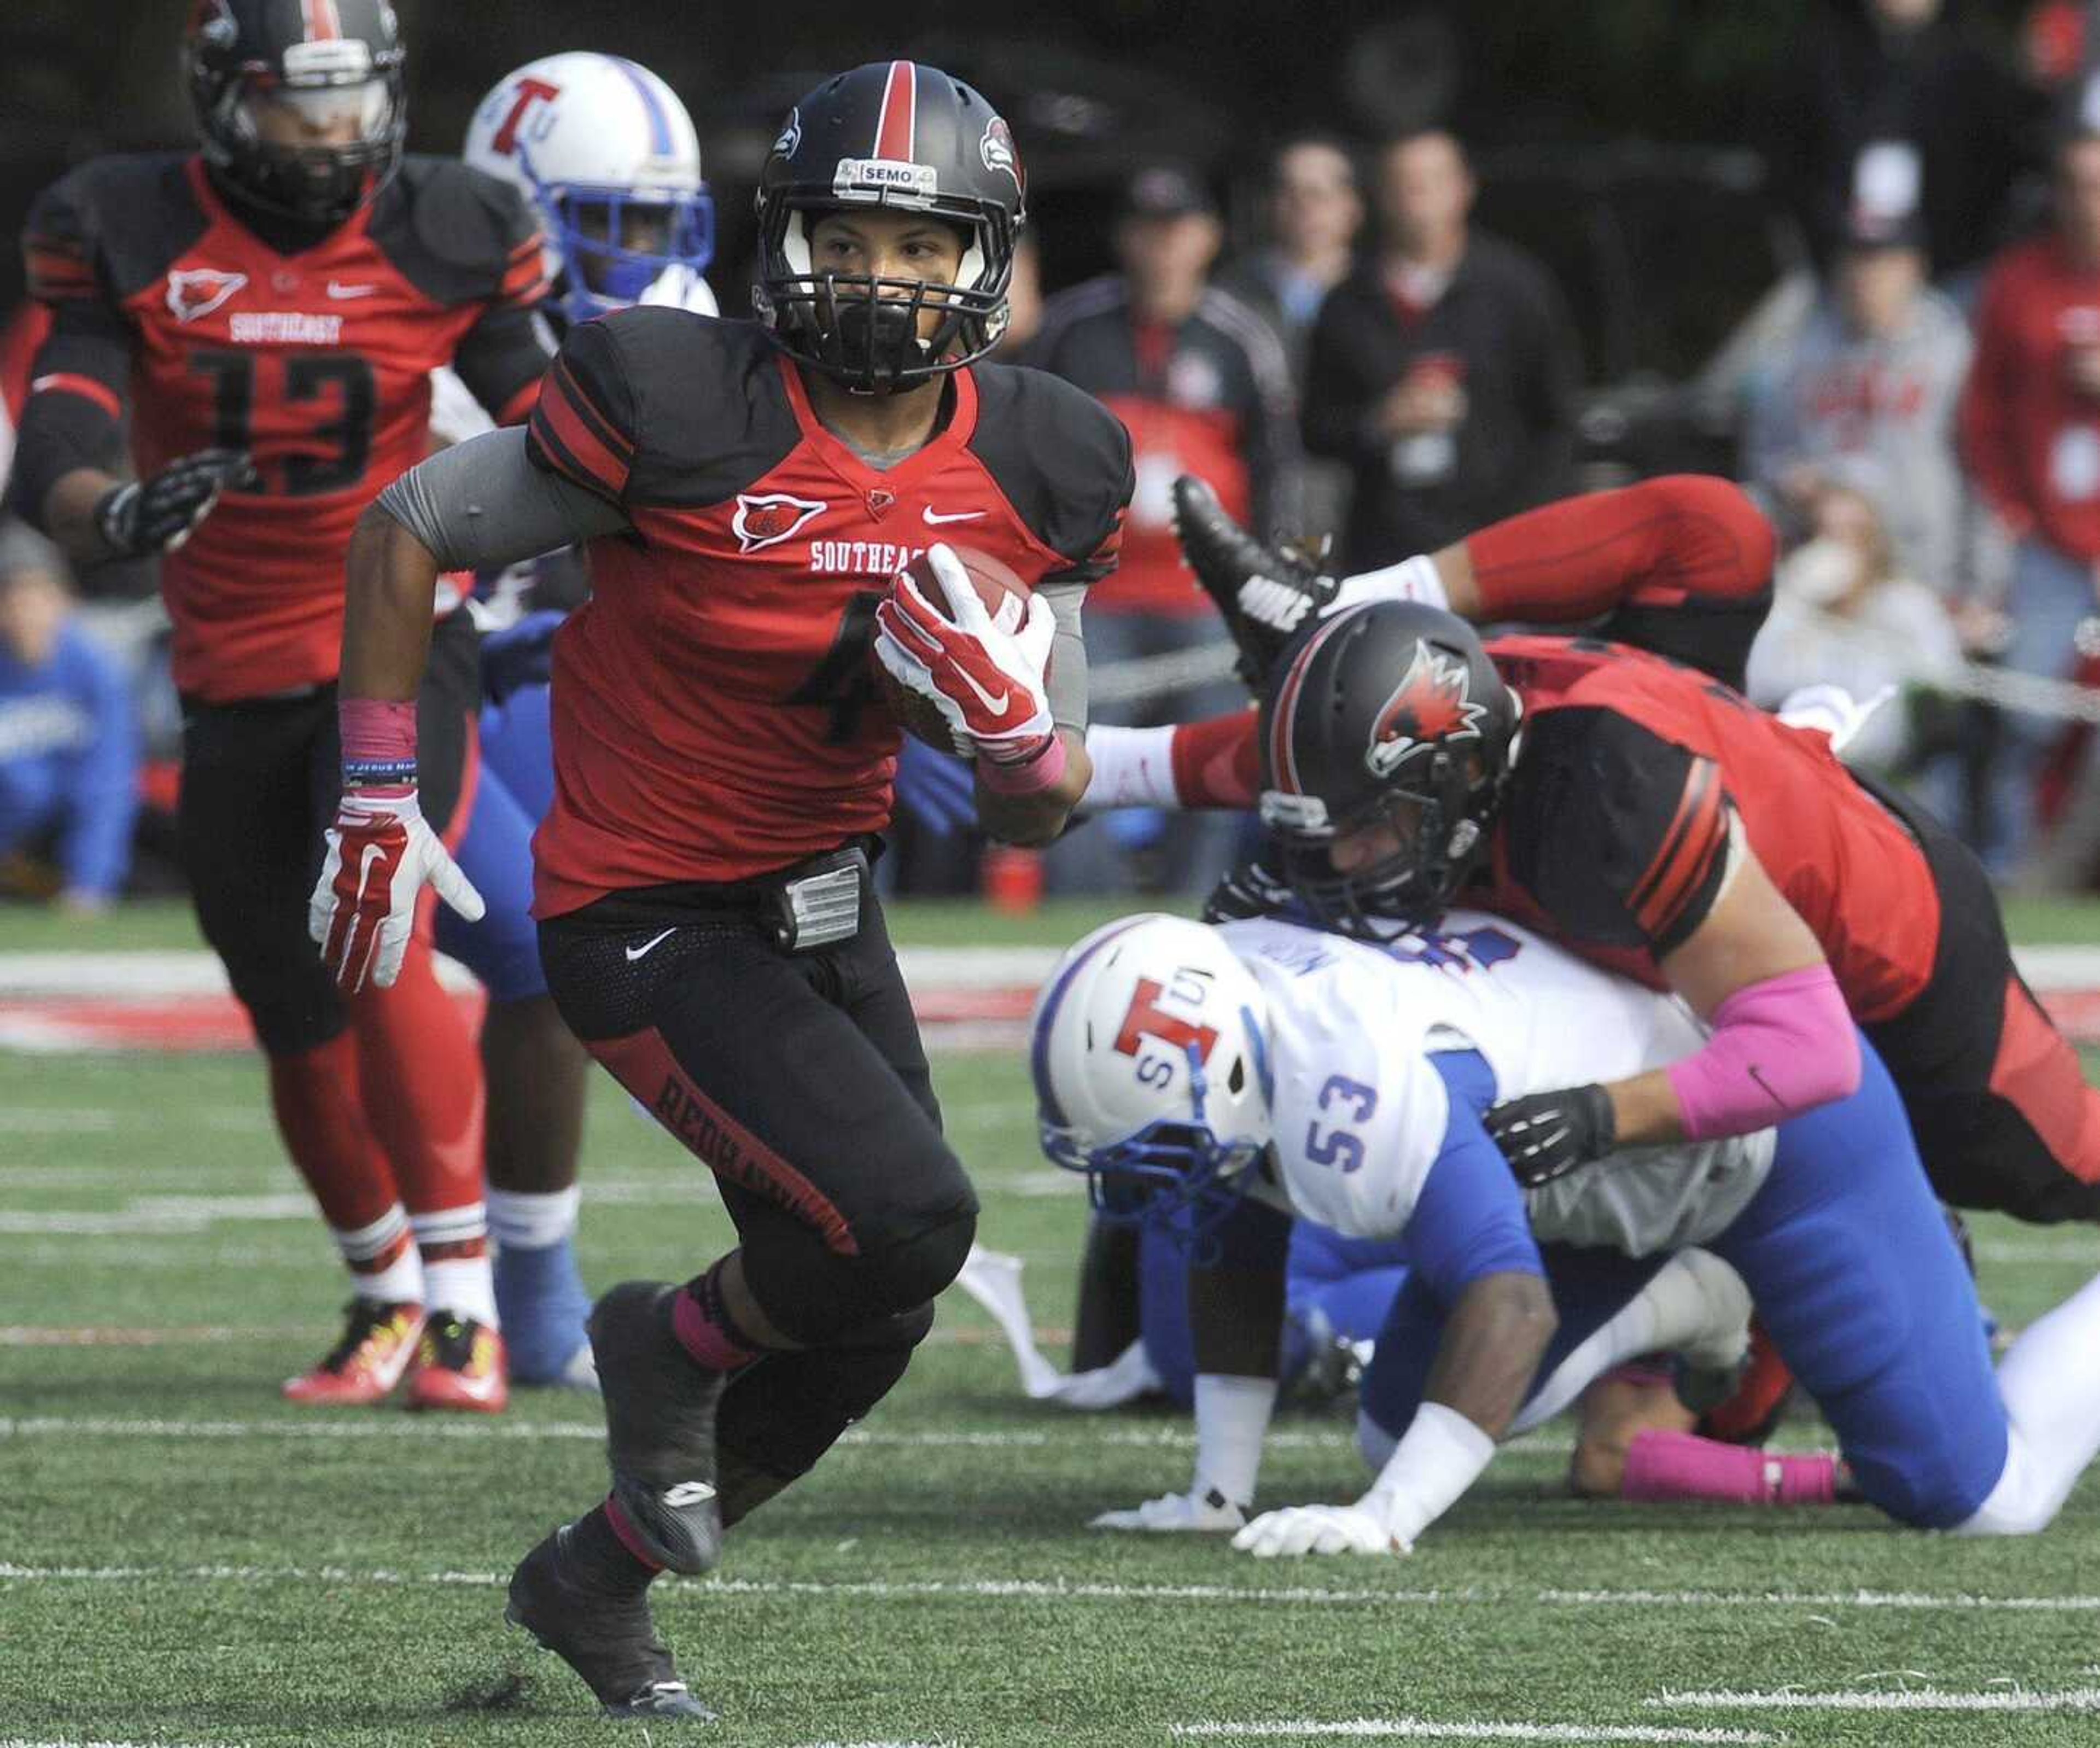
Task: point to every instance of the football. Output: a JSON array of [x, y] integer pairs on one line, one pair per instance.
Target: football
[[1005, 598]]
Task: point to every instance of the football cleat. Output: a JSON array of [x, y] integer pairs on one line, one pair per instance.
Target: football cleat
[[459, 1364], [609, 1641], [1266, 596], [378, 1342], [659, 1425]]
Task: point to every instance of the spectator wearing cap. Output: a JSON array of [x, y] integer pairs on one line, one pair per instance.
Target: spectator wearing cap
[[1203, 386], [1444, 369], [2029, 428], [1314, 214], [68, 742], [1874, 376]]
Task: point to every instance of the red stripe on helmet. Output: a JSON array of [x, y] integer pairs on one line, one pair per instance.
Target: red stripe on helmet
[[895, 133], [1282, 750]]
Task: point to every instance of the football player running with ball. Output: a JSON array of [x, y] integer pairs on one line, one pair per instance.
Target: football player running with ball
[[723, 758]]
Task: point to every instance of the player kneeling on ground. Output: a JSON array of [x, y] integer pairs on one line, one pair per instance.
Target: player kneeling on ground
[[1237, 1071]]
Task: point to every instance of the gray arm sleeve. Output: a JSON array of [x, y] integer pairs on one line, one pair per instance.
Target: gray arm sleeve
[[1068, 657], [481, 503]]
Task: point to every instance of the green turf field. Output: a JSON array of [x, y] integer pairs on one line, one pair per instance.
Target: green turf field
[[183, 1560]]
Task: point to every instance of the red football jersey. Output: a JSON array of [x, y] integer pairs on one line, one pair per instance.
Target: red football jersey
[[714, 711], [317, 362], [1611, 836]]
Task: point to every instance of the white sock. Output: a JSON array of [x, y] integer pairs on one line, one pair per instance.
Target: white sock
[[402, 1279], [532, 1221], [1694, 1299], [1232, 1419], [463, 1285], [1416, 579], [1133, 767], [2049, 1380]]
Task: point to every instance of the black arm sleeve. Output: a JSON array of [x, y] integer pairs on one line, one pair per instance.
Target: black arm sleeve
[[82, 370], [502, 357], [1620, 835]]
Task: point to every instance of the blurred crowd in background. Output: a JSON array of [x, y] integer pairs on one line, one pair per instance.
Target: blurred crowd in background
[[1882, 312]]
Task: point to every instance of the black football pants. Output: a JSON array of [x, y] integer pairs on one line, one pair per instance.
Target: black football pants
[[260, 782], [799, 1079]]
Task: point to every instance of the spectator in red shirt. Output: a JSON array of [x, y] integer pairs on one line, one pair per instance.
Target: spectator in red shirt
[[2030, 431], [1203, 384]]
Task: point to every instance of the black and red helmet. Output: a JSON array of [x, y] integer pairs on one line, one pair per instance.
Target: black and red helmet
[[898, 134], [326, 62], [1390, 714]]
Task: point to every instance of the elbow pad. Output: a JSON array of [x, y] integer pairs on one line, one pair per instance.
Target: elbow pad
[[1780, 1048]]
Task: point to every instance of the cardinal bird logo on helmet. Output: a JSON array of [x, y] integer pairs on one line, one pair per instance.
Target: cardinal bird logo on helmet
[[1430, 705]]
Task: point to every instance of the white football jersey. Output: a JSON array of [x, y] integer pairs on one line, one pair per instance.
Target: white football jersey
[[1361, 1112]]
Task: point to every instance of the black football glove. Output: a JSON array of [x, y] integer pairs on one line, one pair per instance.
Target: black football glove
[[1547, 1135], [157, 514], [1265, 595], [1250, 889]]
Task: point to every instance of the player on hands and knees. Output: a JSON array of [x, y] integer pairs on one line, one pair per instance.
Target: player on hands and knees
[[272, 305], [1265, 1064], [748, 493]]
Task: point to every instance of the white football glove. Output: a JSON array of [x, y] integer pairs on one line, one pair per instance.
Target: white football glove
[[988, 684], [1359, 1529], [381, 850], [1177, 1513]]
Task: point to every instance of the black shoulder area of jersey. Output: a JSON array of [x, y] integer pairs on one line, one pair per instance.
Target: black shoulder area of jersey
[[129, 217], [454, 232], [1620, 836], [1060, 457], [712, 414]]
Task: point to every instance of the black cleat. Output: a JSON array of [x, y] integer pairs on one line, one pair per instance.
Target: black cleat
[[659, 1425], [609, 1640], [1266, 596]]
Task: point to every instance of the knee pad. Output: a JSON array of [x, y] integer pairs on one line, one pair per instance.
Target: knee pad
[[780, 1415], [914, 1271], [1375, 1445]]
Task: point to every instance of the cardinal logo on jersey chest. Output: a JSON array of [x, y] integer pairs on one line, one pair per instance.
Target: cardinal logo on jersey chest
[[197, 291], [1429, 704], [765, 518]]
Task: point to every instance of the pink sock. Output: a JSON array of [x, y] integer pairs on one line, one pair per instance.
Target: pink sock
[[704, 1328], [1676, 1466]]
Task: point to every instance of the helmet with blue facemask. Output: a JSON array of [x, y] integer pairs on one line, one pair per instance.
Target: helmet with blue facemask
[[609, 158], [1150, 1057]]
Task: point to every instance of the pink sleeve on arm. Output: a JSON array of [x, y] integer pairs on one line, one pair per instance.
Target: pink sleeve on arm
[[1780, 1048]]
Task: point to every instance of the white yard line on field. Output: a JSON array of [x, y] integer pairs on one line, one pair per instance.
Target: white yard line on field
[[1077, 1433], [1063, 1590], [1422, 1729], [1917, 1699]]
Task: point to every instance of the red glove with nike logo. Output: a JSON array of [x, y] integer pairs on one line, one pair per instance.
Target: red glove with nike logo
[[988, 683], [381, 851]]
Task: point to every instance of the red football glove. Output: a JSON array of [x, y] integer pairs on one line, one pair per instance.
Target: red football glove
[[988, 683], [381, 850]]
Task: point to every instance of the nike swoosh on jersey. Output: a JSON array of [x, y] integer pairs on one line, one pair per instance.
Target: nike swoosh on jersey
[[935, 518], [649, 946], [335, 289]]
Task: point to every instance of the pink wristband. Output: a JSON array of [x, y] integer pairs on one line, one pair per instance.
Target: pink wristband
[[378, 741], [1029, 776], [1780, 1048]]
